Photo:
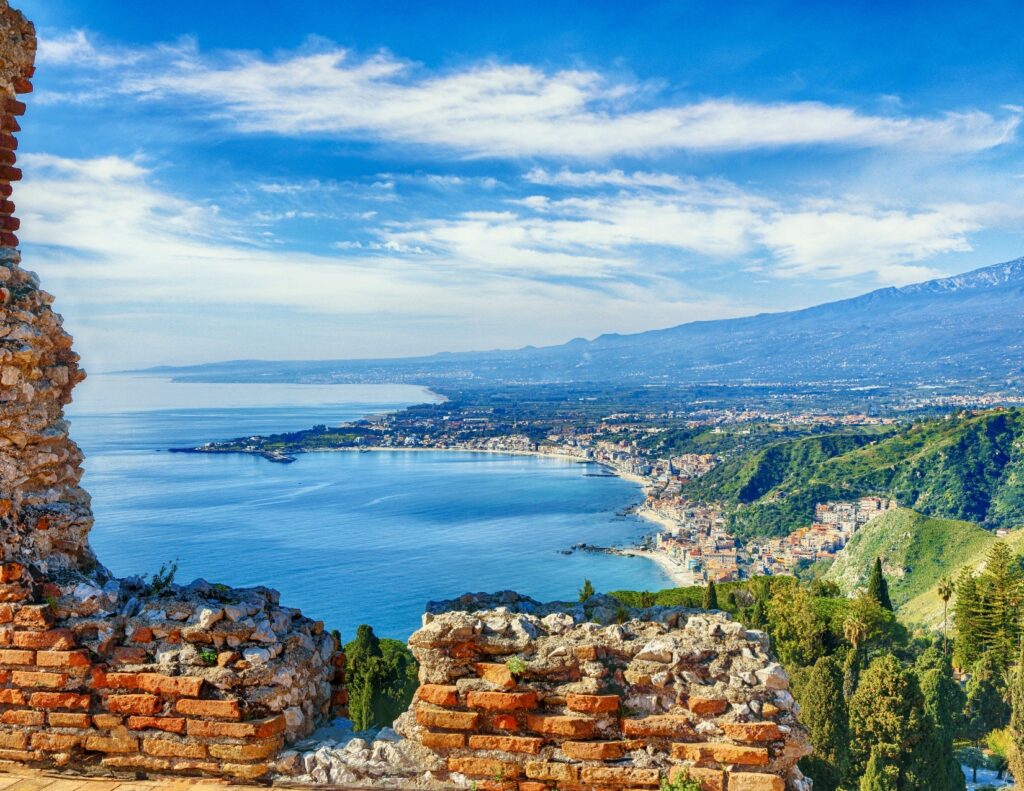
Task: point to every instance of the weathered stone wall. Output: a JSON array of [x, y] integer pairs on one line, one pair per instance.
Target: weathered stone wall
[[519, 695], [96, 671]]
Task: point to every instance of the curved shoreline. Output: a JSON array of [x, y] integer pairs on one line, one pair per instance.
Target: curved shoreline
[[678, 576]]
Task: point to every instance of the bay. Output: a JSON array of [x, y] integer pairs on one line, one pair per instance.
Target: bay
[[347, 537]]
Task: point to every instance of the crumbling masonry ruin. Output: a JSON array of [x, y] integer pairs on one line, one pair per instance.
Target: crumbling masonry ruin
[[107, 675]]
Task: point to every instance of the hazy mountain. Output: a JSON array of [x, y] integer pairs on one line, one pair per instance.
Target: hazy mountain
[[967, 327]]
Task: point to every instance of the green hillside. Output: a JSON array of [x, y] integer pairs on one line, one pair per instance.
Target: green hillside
[[966, 467], [916, 551]]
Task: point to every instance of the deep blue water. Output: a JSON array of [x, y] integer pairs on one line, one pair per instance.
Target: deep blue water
[[348, 537]]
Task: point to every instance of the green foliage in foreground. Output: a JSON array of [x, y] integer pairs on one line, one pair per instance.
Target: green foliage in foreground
[[381, 678], [967, 467]]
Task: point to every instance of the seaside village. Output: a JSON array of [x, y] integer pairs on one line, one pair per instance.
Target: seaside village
[[695, 546]]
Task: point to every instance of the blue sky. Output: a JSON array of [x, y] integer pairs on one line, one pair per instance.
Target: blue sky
[[232, 180]]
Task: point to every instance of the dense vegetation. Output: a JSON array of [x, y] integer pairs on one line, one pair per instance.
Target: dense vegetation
[[884, 708], [967, 467], [381, 676]]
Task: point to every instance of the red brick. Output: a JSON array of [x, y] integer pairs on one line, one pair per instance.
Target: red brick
[[563, 774], [438, 694], [125, 655], [221, 709], [56, 742], [498, 675], [252, 751], [752, 781], [8, 158], [13, 740], [25, 717], [59, 700], [483, 767], [11, 572], [12, 697], [595, 751], [12, 656], [25, 678], [752, 731], [168, 724], [258, 729], [142, 635], [112, 744], [508, 744], [107, 721], [8, 123], [443, 741], [501, 701], [14, 107], [178, 686], [6, 611], [67, 719], [658, 725], [531, 785], [620, 775], [134, 704], [707, 706], [169, 748], [8, 173], [721, 753], [63, 659], [57, 639], [505, 722], [449, 720], [239, 771], [575, 727], [592, 704]]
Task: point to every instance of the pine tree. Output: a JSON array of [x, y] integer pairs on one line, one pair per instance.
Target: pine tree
[[966, 647], [710, 596], [878, 588], [824, 714], [586, 591], [798, 633], [997, 621], [1015, 753]]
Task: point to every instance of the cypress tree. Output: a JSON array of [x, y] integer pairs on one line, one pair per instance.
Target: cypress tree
[[823, 712], [887, 715], [944, 702], [381, 679], [986, 707], [878, 588], [710, 596], [1015, 754], [880, 774]]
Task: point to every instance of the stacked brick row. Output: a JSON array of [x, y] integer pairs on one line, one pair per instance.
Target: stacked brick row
[[606, 708], [84, 691]]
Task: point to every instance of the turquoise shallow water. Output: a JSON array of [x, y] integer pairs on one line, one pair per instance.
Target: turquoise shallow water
[[348, 537]]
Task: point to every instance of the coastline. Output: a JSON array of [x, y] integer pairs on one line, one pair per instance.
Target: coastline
[[679, 576], [673, 571]]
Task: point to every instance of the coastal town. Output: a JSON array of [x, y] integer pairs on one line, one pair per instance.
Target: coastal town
[[694, 543]]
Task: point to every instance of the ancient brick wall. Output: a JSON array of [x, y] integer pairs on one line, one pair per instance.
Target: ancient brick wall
[[97, 671], [519, 695]]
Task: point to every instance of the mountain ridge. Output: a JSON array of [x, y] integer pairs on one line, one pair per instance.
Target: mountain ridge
[[962, 327]]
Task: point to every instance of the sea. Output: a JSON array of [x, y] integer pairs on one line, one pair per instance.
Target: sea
[[347, 537]]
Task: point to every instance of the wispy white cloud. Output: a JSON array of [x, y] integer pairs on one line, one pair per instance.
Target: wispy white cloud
[[105, 234], [494, 109]]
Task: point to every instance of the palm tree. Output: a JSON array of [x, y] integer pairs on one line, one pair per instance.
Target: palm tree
[[946, 589]]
